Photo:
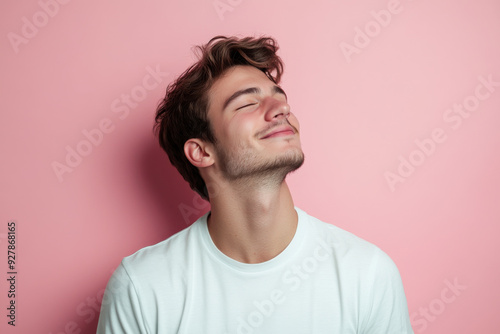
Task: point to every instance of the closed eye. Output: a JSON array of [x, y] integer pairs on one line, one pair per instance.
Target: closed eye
[[246, 105]]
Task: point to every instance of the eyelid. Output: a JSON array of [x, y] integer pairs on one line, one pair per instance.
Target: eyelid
[[246, 105]]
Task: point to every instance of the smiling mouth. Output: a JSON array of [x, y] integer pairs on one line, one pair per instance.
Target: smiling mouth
[[280, 132]]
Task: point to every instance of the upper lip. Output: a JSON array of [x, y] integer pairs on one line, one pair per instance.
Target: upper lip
[[279, 128]]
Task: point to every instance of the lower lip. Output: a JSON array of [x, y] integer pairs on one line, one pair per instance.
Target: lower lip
[[281, 134]]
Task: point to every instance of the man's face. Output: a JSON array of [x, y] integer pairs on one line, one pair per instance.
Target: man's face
[[255, 131]]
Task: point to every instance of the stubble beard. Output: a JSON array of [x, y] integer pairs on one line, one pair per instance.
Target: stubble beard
[[246, 166]]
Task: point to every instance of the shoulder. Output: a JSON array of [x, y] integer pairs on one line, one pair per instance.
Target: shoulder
[[346, 247], [167, 255], [335, 236], [365, 271], [145, 280]]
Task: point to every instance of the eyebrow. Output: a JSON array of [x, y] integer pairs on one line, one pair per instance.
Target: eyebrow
[[251, 90]]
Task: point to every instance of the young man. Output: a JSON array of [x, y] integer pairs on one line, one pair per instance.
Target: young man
[[255, 263]]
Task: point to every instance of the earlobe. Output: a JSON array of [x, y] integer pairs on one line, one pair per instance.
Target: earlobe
[[196, 152]]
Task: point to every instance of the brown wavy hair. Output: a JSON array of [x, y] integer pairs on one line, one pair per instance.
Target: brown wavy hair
[[182, 114]]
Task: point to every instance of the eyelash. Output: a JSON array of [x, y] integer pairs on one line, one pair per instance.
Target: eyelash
[[246, 105]]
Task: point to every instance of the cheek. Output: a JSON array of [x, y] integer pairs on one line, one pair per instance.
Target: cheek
[[238, 132], [243, 126]]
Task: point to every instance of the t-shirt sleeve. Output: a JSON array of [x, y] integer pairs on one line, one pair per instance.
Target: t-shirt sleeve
[[120, 310], [388, 310]]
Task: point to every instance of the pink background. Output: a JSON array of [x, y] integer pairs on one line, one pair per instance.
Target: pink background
[[361, 112]]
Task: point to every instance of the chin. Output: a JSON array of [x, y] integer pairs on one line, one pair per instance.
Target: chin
[[293, 160], [285, 163]]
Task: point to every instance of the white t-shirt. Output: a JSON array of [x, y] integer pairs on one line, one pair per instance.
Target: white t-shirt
[[326, 281]]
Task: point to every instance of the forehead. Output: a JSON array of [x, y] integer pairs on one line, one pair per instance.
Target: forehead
[[236, 78]]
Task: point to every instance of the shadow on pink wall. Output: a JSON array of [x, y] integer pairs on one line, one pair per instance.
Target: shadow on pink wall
[[166, 197]]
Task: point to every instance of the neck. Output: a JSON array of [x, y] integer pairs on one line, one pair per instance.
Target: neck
[[252, 224]]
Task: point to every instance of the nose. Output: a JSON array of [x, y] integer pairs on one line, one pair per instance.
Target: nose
[[276, 109]]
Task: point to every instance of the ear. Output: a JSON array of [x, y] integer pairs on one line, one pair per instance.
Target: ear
[[198, 152]]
